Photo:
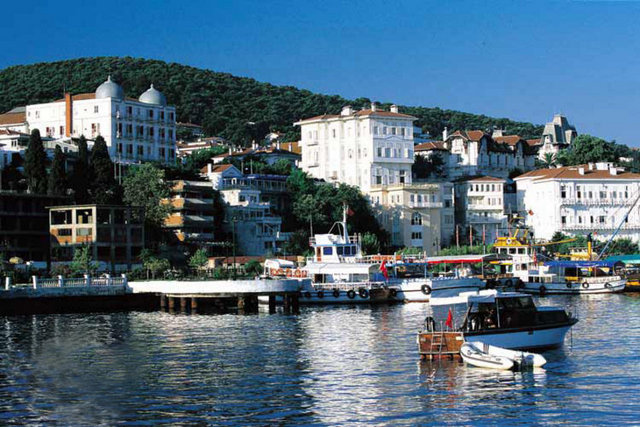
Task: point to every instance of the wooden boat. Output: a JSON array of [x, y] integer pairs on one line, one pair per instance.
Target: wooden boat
[[477, 355], [521, 359]]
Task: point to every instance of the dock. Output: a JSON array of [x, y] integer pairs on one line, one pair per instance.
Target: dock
[[87, 294], [439, 344]]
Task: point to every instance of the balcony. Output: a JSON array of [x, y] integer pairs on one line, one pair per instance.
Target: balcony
[[597, 202], [434, 205], [312, 143], [598, 227], [478, 207]]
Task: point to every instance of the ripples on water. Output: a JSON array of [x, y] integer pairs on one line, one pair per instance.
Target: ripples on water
[[328, 366]]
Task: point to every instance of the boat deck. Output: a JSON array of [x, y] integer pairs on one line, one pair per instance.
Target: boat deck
[[437, 345]]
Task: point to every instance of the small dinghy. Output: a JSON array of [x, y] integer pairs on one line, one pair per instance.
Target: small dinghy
[[483, 355]]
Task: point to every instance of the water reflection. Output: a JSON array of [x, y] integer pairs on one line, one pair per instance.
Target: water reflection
[[328, 366]]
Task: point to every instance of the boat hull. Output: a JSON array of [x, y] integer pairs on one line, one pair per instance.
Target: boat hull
[[473, 357], [320, 297], [539, 337], [574, 288], [424, 290]]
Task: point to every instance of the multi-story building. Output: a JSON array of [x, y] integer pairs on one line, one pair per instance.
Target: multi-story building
[[480, 207], [114, 233], [24, 225], [471, 153], [361, 148], [577, 200], [255, 229], [418, 215], [557, 135], [135, 130], [192, 213]]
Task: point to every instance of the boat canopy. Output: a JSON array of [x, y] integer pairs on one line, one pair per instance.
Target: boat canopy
[[460, 259], [483, 296], [627, 259], [581, 264], [279, 263], [342, 268]]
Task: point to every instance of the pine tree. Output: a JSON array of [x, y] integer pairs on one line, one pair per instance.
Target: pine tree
[[103, 185], [35, 164], [57, 174], [80, 178]]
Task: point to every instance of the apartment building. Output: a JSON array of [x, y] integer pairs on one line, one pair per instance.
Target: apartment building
[[480, 207], [192, 220]]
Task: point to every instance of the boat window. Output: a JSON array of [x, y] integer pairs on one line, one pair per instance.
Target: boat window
[[521, 251], [512, 250], [340, 250], [327, 250]]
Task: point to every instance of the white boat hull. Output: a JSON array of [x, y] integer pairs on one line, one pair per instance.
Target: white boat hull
[[521, 339], [521, 359], [575, 288], [472, 356], [424, 290]]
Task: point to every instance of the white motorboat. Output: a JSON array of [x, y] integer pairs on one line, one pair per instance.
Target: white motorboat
[[503, 319], [574, 277], [476, 350]]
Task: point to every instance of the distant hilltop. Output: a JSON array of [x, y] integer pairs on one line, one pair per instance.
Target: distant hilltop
[[236, 108]]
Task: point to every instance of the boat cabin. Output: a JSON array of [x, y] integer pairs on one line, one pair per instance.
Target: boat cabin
[[575, 272], [521, 253]]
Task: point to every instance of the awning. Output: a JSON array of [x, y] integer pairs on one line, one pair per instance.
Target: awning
[[581, 264]]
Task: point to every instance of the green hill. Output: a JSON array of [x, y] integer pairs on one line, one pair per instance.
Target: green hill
[[221, 102]]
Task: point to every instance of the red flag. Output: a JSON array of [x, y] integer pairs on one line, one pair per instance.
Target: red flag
[[349, 211], [449, 322], [383, 268]]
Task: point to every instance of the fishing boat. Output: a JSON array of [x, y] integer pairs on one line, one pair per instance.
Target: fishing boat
[[480, 354], [630, 270], [574, 277], [504, 319]]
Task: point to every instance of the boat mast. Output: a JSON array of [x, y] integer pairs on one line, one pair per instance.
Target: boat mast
[[344, 222], [615, 233]]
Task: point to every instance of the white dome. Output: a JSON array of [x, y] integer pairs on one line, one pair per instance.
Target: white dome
[[110, 89], [153, 96]]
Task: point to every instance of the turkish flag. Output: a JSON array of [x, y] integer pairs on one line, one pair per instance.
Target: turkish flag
[[449, 322], [350, 212], [383, 268]]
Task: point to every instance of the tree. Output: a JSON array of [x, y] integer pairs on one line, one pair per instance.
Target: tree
[[307, 207], [549, 160], [253, 267], [198, 260], [370, 244], [80, 176], [104, 189], [152, 264], [12, 178], [35, 164], [515, 172], [424, 167], [82, 262], [589, 149], [145, 186], [298, 243], [58, 175]]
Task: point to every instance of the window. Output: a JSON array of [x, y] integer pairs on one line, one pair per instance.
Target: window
[[171, 116], [61, 130], [563, 219], [416, 219], [376, 130], [563, 192], [333, 133], [119, 135], [601, 219], [129, 129], [416, 235], [140, 150], [379, 151], [327, 251], [579, 192], [95, 109], [161, 115], [387, 152], [603, 195], [129, 111], [151, 114]]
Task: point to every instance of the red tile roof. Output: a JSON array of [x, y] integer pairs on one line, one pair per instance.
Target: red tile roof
[[472, 135], [508, 139], [80, 97], [428, 146], [13, 118], [533, 142], [216, 168], [572, 172], [481, 179]]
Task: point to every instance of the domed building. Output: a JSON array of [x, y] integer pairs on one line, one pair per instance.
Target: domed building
[[135, 130]]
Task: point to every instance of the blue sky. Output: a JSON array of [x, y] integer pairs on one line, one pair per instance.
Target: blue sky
[[516, 59]]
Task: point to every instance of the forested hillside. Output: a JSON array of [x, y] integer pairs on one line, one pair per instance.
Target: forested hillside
[[224, 104]]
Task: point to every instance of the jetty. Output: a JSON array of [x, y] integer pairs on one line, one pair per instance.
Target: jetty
[[87, 294]]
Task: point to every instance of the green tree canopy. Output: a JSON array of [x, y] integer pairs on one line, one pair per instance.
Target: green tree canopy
[[144, 185], [35, 164], [104, 189], [80, 177], [58, 175], [589, 149]]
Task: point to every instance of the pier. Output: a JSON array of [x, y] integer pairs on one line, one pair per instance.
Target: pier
[[62, 295]]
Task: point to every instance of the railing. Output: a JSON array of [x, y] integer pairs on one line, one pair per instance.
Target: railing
[[425, 204], [347, 286], [62, 282], [598, 226], [600, 202]]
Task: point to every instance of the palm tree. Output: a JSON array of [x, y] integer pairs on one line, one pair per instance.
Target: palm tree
[[549, 160]]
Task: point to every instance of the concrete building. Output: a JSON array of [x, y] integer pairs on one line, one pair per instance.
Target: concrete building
[[114, 233], [480, 208], [186, 148], [557, 135], [362, 148], [418, 215], [270, 155], [577, 200], [24, 225], [135, 130], [471, 153], [192, 218]]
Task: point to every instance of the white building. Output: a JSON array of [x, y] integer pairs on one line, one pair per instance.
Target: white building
[[470, 153], [578, 200], [480, 208], [418, 215], [361, 148], [135, 130]]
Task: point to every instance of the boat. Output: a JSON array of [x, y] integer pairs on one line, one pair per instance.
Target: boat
[[630, 270], [414, 281], [504, 319], [574, 277], [477, 353]]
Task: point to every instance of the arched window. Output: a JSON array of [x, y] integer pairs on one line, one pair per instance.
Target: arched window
[[416, 219]]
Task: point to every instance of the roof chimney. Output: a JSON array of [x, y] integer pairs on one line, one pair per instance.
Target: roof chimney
[[581, 170], [613, 170], [374, 107], [346, 110], [591, 165], [68, 112], [445, 134], [394, 108]]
